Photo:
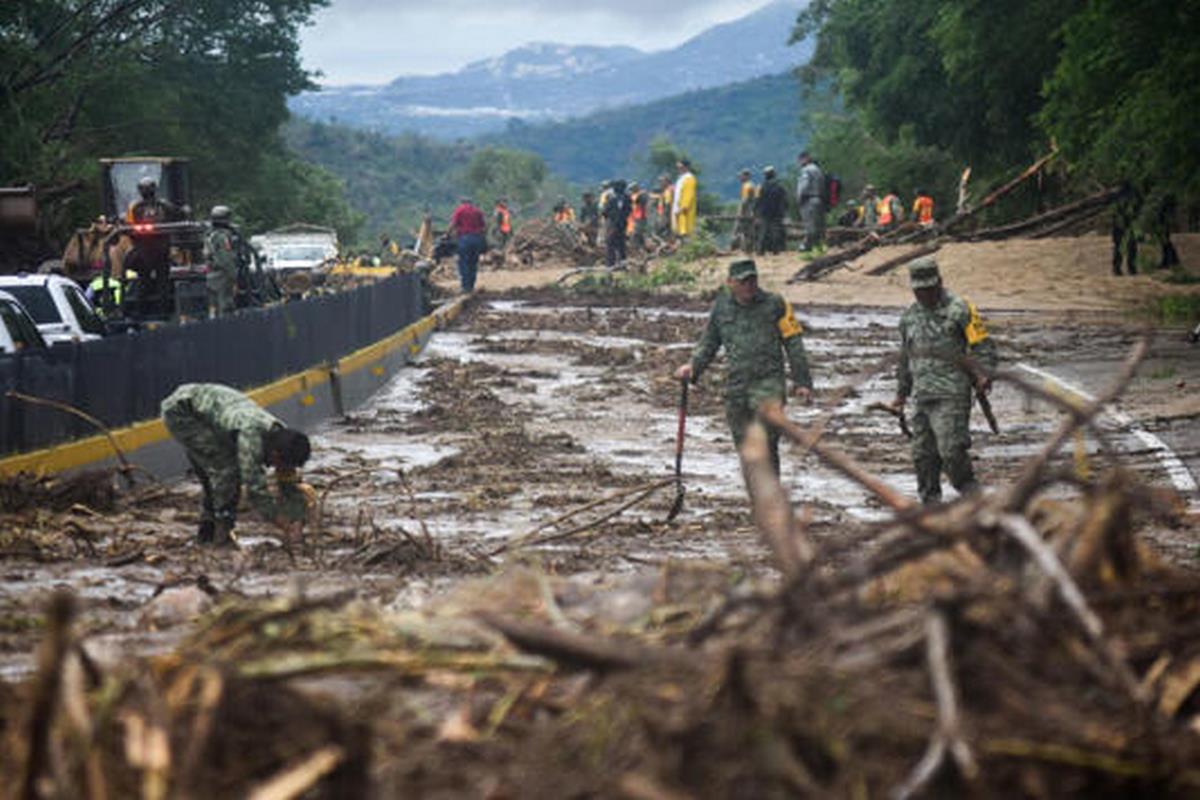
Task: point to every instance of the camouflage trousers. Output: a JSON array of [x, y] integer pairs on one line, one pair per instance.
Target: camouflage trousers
[[213, 456], [740, 410], [941, 443], [221, 293]]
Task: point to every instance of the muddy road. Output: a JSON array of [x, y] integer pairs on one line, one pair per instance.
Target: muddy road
[[532, 406]]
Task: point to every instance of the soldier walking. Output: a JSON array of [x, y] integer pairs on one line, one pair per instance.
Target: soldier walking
[[756, 328], [936, 333], [221, 251], [229, 441]]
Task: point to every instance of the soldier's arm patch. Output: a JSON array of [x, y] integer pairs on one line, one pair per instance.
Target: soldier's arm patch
[[789, 326], [975, 330]]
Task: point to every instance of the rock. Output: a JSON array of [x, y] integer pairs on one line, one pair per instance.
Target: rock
[[175, 606]]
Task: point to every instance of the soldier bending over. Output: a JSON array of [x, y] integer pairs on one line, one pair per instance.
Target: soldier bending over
[[229, 441]]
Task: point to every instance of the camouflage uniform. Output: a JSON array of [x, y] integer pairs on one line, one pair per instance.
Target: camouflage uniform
[[222, 431], [221, 248], [931, 342], [755, 337]]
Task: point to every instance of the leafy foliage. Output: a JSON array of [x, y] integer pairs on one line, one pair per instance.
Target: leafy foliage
[[988, 81], [206, 80], [1124, 101]]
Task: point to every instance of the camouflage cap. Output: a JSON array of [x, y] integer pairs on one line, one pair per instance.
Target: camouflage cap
[[923, 273], [743, 269]]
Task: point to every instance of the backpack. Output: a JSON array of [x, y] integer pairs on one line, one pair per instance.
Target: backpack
[[833, 190]]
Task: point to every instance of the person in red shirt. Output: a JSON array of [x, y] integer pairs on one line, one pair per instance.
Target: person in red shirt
[[467, 225]]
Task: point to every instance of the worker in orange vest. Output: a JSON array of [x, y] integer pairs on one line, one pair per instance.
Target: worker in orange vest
[[502, 219], [923, 209], [889, 212], [639, 215], [563, 212]]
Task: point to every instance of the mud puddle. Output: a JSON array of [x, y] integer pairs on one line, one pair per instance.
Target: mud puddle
[[525, 410]]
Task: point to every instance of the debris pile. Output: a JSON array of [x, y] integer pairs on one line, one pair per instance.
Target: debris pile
[[539, 241]]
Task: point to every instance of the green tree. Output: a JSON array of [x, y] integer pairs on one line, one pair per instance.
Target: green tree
[[961, 75], [207, 80], [1124, 101], [495, 172]]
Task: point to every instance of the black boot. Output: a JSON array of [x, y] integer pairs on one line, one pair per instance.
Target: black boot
[[205, 534], [223, 528]]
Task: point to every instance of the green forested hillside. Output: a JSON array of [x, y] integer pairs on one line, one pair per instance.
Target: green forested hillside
[[390, 179], [747, 124]]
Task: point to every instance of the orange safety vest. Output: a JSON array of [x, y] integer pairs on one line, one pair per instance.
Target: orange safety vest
[[923, 209], [883, 209], [505, 219]]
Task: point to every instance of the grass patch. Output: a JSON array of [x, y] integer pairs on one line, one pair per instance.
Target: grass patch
[[1177, 309]]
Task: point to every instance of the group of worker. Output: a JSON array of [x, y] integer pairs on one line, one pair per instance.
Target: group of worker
[[146, 267], [945, 362], [886, 212]]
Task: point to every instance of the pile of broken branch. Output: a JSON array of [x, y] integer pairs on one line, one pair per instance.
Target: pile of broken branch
[[1021, 642]]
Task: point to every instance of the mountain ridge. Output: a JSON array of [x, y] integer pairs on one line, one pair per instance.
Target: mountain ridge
[[546, 81]]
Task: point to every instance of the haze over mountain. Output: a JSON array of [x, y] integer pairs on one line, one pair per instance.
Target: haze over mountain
[[546, 82]]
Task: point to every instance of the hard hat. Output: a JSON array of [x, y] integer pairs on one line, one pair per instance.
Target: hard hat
[[220, 214], [147, 185]]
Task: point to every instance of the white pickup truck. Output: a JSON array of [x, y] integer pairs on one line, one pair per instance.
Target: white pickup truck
[[297, 248], [57, 305], [17, 331]]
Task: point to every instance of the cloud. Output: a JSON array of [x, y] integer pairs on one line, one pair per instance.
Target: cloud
[[375, 41]]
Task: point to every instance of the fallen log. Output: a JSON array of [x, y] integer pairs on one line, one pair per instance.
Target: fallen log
[[819, 266], [1069, 222], [995, 195], [1070, 210], [904, 258]]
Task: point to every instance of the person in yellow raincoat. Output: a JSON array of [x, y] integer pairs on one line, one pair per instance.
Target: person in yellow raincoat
[[683, 208]]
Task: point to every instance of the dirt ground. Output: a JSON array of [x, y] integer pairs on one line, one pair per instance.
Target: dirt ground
[[470, 480]]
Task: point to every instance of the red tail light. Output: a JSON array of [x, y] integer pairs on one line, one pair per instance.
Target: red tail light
[[143, 227]]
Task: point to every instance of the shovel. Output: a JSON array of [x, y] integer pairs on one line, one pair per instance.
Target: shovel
[[677, 506]]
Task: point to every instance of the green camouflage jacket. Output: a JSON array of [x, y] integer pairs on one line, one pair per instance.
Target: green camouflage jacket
[[755, 337], [931, 343], [228, 411], [222, 252]]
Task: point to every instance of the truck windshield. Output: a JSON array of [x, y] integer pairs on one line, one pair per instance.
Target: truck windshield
[[37, 302], [125, 177]]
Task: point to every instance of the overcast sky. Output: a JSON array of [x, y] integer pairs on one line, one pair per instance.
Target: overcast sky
[[374, 41]]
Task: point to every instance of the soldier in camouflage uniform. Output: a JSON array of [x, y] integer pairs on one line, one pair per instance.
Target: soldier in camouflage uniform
[[936, 332], [229, 441], [221, 250], [755, 328]]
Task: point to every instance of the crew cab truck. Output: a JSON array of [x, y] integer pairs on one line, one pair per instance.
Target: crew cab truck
[[297, 248], [57, 306], [18, 331]]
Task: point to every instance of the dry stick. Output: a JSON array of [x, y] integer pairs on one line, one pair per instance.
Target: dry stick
[[904, 258], [1028, 173], [948, 735], [1067, 223], [126, 467], [297, 779], [586, 526], [1077, 409], [1031, 475], [358, 473], [520, 540], [46, 691], [773, 415], [578, 649], [772, 510], [1019, 528]]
